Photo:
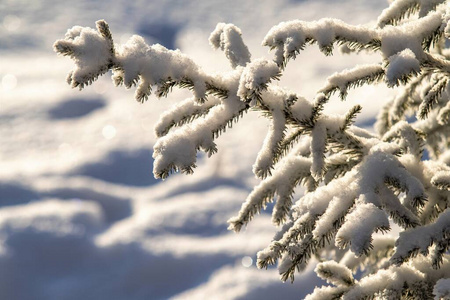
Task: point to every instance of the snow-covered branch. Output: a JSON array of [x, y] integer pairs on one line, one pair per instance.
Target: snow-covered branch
[[357, 184]]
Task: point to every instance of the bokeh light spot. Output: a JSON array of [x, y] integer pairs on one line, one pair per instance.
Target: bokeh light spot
[[9, 82], [11, 22], [247, 261], [109, 132]]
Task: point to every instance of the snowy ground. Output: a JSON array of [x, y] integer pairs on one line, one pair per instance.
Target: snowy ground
[[81, 216]]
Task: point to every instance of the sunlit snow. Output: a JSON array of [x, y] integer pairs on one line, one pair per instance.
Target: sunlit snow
[[81, 215]]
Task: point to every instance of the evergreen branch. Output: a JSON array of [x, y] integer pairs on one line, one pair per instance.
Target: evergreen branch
[[335, 273], [441, 180], [437, 64], [298, 230], [255, 78], [396, 210], [433, 39], [350, 117], [288, 143], [432, 97], [189, 139], [356, 77], [331, 221], [297, 258], [407, 281], [396, 109], [383, 248], [183, 113], [289, 38], [282, 184], [338, 165], [397, 11], [319, 103], [216, 91], [444, 114], [354, 181], [407, 246], [361, 243], [88, 66], [410, 139]]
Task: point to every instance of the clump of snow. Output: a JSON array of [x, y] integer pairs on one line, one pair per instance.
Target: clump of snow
[[395, 39], [342, 80], [318, 146], [152, 64], [392, 279], [359, 226], [255, 76], [91, 52], [401, 65], [421, 238], [397, 9], [289, 37], [442, 289], [275, 99], [301, 109], [228, 38], [334, 273], [177, 150]]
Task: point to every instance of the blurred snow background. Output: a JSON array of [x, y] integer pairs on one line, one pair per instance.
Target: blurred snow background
[[81, 216]]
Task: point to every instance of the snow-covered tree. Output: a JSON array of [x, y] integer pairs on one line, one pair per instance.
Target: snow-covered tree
[[356, 183]]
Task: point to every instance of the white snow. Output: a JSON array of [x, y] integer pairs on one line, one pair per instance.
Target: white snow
[[334, 273], [359, 225], [289, 37], [275, 99], [342, 79], [153, 64], [421, 238], [80, 212], [228, 38], [401, 64], [254, 76], [442, 289], [90, 51], [396, 10]]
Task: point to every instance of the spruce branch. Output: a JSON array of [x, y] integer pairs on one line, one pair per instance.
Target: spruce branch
[[356, 77], [441, 180], [289, 38], [89, 65], [183, 113], [432, 96], [297, 258], [335, 273], [408, 245], [355, 182], [350, 117], [297, 168], [403, 9]]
